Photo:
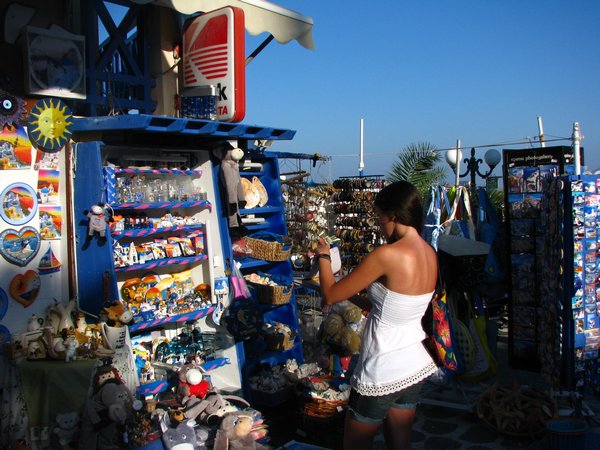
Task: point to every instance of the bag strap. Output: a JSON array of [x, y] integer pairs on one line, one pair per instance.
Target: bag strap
[[469, 215], [487, 212]]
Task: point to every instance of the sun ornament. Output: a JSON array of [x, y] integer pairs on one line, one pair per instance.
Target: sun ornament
[[12, 109], [50, 124]]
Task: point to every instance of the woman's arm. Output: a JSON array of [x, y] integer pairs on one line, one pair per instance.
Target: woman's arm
[[369, 270]]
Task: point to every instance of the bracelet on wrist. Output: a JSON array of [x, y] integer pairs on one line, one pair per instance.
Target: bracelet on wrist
[[324, 256]]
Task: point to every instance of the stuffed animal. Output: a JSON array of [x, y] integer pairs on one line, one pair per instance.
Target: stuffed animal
[[99, 218], [65, 430], [182, 437], [213, 407], [118, 315], [191, 383], [235, 432], [230, 178], [105, 414], [71, 349]]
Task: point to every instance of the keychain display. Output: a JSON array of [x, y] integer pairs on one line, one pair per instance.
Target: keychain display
[[355, 223], [306, 217]]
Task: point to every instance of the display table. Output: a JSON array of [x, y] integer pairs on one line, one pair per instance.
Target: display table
[[51, 388]]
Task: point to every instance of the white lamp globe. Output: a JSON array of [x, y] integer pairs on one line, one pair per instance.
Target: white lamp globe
[[492, 157], [453, 156]]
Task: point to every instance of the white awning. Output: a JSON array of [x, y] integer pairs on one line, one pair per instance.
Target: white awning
[[260, 17]]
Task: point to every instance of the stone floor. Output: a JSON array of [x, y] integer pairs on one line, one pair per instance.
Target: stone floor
[[445, 420]]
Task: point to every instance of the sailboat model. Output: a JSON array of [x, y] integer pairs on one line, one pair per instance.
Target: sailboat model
[[49, 263]]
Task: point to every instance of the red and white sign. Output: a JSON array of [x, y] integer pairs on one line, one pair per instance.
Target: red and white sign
[[214, 54]]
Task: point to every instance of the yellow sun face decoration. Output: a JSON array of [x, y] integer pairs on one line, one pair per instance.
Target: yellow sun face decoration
[[50, 124]]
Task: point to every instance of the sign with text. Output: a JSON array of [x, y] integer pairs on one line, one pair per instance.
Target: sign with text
[[214, 55]]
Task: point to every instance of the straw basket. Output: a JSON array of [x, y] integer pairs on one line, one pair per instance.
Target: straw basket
[[317, 407], [269, 246], [278, 294]]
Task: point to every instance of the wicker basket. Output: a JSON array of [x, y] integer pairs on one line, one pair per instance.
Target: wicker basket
[[278, 294], [317, 407], [276, 248]]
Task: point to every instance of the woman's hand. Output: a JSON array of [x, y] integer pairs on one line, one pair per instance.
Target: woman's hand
[[323, 248]]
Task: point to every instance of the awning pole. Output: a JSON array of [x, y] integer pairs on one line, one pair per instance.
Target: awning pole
[[259, 48]]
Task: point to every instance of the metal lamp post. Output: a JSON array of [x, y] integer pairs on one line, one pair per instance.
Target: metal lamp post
[[492, 158]]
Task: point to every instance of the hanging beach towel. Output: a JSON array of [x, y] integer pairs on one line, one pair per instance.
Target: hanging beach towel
[[432, 226]]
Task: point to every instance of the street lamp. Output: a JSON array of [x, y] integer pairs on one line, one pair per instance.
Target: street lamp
[[492, 158]]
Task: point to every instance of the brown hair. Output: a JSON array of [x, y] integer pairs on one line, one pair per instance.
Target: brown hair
[[402, 201]]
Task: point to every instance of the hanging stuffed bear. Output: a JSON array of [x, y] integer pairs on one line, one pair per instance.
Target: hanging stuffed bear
[[98, 220], [234, 191]]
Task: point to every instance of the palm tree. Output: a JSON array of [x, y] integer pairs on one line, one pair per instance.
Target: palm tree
[[418, 164]]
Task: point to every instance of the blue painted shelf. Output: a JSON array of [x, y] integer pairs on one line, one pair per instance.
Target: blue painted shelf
[[182, 261]]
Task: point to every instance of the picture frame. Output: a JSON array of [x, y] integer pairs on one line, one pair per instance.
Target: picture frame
[[55, 63]]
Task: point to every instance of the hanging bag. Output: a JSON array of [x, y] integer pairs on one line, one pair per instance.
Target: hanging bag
[[460, 220], [489, 230], [441, 341], [484, 363]]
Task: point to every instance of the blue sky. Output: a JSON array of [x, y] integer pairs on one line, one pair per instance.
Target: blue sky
[[481, 71]]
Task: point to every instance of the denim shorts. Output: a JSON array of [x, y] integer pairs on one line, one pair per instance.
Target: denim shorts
[[373, 409]]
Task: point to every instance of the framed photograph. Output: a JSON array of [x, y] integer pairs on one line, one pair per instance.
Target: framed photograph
[[55, 63]]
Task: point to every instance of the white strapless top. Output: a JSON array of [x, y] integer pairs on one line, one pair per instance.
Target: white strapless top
[[392, 356]]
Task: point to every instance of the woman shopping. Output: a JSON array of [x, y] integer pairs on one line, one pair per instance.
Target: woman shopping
[[400, 278]]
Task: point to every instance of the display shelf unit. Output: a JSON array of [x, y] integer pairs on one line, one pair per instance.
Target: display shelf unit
[[105, 148], [355, 222], [523, 172], [274, 214]]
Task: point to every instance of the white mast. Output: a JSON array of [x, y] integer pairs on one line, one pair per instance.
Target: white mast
[[541, 131], [576, 150], [361, 163], [458, 158]]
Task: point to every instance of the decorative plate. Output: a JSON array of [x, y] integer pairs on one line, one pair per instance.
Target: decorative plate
[[24, 288], [49, 124], [262, 192], [19, 247], [19, 203]]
